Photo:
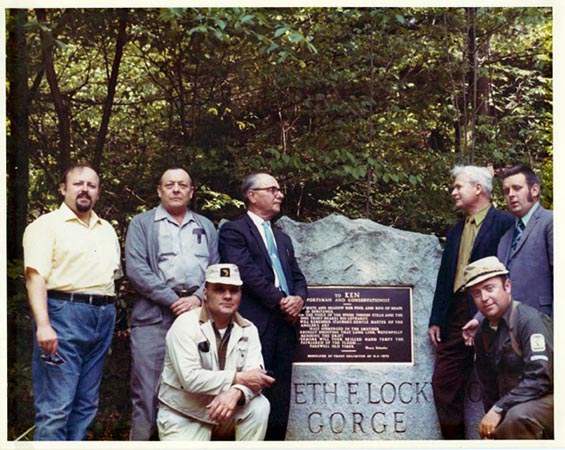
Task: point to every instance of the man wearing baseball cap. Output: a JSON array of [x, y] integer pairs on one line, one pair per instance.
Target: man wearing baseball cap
[[514, 357], [213, 374]]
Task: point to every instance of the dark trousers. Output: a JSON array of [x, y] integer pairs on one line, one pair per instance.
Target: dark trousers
[[529, 420], [453, 367], [278, 343]]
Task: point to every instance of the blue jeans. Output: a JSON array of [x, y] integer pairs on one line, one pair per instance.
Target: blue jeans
[[66, 396]]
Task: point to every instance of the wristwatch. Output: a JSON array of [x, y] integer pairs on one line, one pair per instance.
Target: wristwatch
[[497, 409]]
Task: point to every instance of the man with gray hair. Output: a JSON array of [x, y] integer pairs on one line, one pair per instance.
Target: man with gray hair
[[274, 288], [475, 237]]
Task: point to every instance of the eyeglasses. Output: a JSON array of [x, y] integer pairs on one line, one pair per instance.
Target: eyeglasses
[[273, 190], [52, 360]]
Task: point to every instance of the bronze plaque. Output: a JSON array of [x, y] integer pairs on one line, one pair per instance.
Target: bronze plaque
[[356, 324]]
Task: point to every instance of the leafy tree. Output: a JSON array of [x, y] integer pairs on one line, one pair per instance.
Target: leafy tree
[[358, 111]]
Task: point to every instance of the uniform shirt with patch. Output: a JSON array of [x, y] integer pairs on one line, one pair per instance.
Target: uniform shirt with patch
[[507, 378]]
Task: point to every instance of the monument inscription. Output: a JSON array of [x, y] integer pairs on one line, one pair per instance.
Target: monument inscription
[[357, 324], [366, 399], [361, 408]]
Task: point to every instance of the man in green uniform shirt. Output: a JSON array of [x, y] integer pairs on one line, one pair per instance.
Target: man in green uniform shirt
[[514, 357]]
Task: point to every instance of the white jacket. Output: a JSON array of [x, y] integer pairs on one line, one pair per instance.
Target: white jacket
[[191, 375]]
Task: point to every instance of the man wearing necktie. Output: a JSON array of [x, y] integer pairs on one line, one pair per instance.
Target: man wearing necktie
[[527, 248], [518, 230], [528, 254], [274, 288], [473, 238]]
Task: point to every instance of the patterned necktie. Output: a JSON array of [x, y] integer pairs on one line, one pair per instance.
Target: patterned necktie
[[518, 230], [274, 254]]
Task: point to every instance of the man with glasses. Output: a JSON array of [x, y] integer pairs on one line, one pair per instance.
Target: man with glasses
[[72, 259], [274, 288], [167, 252]]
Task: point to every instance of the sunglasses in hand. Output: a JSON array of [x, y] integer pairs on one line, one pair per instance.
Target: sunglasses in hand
[[52, 359]]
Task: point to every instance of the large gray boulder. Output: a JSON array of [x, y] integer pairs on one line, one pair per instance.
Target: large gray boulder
[[379, 400]]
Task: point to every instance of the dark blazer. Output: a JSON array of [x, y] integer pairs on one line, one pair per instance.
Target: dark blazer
[[531, 265], [494, 226], [241, 244]]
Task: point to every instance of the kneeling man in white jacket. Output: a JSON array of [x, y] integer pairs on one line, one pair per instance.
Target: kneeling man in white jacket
[[213, 374]]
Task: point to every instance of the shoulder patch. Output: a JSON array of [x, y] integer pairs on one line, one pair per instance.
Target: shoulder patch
[[537, 342]]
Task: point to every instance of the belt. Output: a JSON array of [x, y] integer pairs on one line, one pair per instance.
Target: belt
[[185, 292], [90, 299]]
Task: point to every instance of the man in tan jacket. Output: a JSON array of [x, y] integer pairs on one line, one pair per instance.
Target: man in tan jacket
[[213, 374]]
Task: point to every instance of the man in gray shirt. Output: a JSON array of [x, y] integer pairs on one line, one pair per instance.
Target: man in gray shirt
[[167, 252]]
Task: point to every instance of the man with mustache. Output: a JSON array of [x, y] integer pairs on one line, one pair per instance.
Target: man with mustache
[[167, 252], [72, 259], [274, 288]]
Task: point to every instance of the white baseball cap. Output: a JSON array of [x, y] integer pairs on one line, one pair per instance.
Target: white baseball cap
[[223, 273]]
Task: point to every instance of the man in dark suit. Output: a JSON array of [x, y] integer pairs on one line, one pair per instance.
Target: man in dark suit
[[527, 248], [274, 288], [473, 238]]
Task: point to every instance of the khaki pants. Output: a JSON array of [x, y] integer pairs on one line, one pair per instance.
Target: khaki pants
[[249, 424]]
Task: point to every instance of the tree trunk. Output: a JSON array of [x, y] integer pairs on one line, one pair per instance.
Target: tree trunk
[[112, 83], [18, 145], [59, 102], [472, 76], [370, 168]]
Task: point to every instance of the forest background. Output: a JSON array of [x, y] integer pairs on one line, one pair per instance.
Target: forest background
[[357, 111]]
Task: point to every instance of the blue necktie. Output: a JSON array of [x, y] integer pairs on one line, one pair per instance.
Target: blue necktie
[[518, 230], [274, 254]]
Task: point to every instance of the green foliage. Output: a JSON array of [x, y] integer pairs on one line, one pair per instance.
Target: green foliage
[[367, 99], [19, 331], [357, 111]]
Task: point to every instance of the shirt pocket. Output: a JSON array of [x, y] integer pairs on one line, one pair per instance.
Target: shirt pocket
[[199, 242], [545, 300], [510, 361]]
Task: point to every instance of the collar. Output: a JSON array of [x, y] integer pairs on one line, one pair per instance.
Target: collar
[[479, 216], [258, 221], [529, 214], [237, 318], [161, 213], [68, 215], [505, 317]]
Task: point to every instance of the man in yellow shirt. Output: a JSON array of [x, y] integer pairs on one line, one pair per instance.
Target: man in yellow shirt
[[72, 258]]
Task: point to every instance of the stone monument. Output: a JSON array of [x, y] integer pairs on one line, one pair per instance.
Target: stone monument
[[370, 401]]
